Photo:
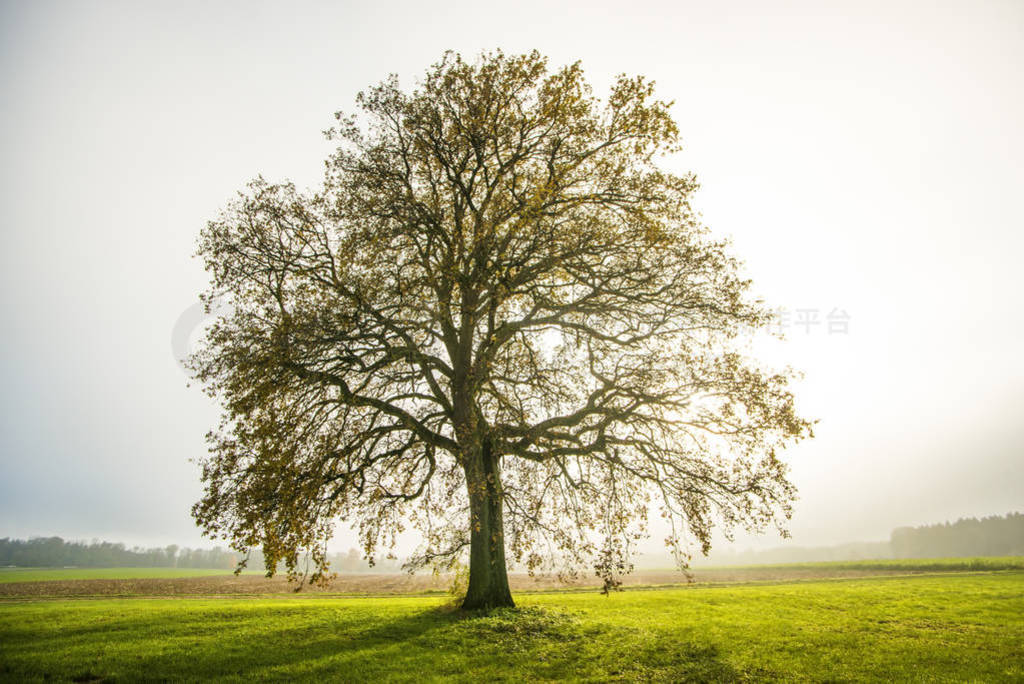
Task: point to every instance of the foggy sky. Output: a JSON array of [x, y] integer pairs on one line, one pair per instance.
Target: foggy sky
[[864, 158]]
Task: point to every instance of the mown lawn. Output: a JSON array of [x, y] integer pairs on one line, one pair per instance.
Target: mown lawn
[[897, 565], [966, 627]]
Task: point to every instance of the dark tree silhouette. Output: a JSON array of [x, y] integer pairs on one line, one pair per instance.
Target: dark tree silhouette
[[497, 320]]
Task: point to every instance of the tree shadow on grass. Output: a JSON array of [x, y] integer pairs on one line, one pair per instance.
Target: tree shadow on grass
[[338, 642], [213, 644], [664, 660]]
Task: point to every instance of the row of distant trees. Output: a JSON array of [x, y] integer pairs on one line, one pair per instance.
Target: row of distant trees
[[991, 536], [342, 561], [46, 552], [996, 535], [49, 552], [793, 554]]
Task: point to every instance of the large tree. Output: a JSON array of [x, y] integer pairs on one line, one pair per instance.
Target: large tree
[[498, 320]]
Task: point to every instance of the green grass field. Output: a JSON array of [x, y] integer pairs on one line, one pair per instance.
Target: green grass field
[[51, 574], [948, 627], [898, 565]]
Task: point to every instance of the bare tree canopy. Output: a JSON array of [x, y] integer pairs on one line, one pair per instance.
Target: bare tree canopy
[[497, 321]]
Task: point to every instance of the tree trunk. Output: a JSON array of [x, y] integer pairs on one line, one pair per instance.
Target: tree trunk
[[488, 577]]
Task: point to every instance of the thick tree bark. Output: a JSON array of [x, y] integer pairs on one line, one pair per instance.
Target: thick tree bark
[[488, 576]]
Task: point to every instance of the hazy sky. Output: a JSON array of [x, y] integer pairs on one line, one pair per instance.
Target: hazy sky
[[864, 158]]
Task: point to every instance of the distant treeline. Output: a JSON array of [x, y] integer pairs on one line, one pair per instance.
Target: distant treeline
[[855, 551], [993, 536], [54, 552], [967, 537], [50, 552]]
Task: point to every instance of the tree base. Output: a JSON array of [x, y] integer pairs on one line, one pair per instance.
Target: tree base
[[488, 603]]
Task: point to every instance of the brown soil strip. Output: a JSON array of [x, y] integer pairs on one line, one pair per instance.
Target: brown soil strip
[[249, 585]]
